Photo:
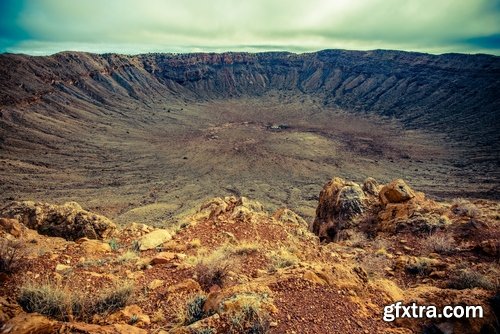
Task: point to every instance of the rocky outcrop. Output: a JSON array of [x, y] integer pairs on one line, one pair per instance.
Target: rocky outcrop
[[30, 323], [396, 192], [339, 202], [68, 221], [397, 207]]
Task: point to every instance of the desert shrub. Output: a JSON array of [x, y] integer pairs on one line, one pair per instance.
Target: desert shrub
[[282, 258], [463, 207], [211, 274], [110, 300], [113, 243], [194, 309], [439, 243], [212, 269], [250, 317], [206, 330], [11, 256], [47, 300], [469, 279], [422, 267], [62, 304], [244, 248]]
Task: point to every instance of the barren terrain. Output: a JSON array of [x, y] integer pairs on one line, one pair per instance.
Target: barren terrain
[[124, 135]]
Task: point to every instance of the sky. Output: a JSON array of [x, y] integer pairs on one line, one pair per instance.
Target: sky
[[41, 27]]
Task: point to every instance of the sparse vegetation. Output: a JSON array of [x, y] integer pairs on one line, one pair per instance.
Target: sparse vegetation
[[127, 257], [48, 300], [249, 316], [113, 243], [111, 299], [463, 207], [469, 279], [194, 309], [63, 304], [11, 255], [439, 243], [422, 267], [282, 258], [212, 269], [245, 248]]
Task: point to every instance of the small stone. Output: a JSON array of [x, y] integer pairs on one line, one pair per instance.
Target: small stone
[[155, 284], [162, 258], [62, 267]]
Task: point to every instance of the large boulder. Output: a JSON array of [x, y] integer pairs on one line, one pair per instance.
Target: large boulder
[[68, 221], [371, 186], [154, 239], [396, 191], [339, 202], [30, 323]]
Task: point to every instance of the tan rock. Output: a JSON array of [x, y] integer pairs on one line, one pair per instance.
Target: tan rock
[[128, 329], [312, 277], [84, 328], [162, 258], [155, 284], [62, 267], [287, 216], [30, 323], [154, 239], [128, 313], [95, 247], [371, 186], [396, 191], [12, 226], [188, 285]]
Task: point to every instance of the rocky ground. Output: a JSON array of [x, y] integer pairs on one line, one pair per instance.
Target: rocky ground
[[232, 267]]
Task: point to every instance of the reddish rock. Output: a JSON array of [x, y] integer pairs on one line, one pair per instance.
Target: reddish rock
[[396, 192]]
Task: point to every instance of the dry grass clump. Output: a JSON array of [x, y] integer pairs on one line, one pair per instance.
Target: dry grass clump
[[48, 300], [245, 248], [194, 309], [439, 243], [62, 304], [463, 207], [212, 269], [127, 257], [248, 314], [469, 279], [110, 300], [282, 258], [11, 255]]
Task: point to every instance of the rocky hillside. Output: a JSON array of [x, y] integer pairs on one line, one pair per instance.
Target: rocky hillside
[[233, 267], [453, 92]]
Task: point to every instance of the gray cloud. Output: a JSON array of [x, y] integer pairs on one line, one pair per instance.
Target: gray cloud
[[129, 26]]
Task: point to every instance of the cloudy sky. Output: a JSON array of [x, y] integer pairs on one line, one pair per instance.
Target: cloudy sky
[[138, 26]]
